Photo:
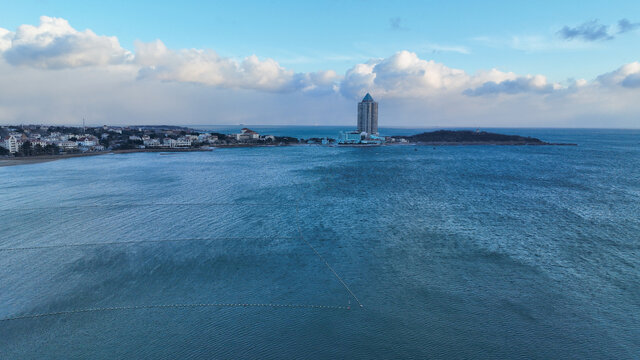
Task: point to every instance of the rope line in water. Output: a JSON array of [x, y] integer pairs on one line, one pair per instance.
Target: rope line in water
[[323, 259], [142, 241], [202, 305], [147, 205], [176, 204]]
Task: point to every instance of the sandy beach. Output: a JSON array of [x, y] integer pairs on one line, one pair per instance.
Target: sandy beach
[[12, 161]]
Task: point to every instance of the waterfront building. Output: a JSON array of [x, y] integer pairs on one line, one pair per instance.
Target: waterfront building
[[368, 116], [169, 142], [36, 141], [68, 145], [151, 142], [183, 142], [367, 132], [177, 143], [350, 137], [13, 143], [247, 135], [87, 141]]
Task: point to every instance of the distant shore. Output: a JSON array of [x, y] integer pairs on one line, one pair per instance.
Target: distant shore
[[506, 143], [434, 138]]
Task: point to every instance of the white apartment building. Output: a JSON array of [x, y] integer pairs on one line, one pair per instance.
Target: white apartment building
[[87, 142], [183, 142], [68, 145], [247, 134], [13, 143], [40, 142], [151, 142]]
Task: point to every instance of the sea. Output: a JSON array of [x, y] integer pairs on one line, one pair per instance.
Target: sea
[[319, 252]]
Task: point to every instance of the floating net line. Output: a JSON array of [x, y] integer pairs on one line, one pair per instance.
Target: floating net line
[[194, 204], [130, 242], [89, 206], [346, 287], [176, 306], [199, 305]]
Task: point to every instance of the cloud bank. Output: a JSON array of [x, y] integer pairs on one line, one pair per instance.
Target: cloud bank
[[404, 74], [55, 44], [523, 84], [627, 76], [154, 84], [207, 67]]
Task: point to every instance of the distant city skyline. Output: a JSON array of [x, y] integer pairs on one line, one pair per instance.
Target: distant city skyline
[[459, 64]]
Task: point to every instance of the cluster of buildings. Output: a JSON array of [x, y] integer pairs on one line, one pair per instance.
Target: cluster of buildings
[[74, 139], [55, 139], [367, 132], [85, 139], [247, 136], [14, 140], [186, 141]]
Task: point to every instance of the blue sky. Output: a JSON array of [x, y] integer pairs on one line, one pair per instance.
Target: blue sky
[[556, 39], [314, 35]]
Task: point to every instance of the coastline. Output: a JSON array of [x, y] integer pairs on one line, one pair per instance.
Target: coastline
[[470, 143], [13, 161]]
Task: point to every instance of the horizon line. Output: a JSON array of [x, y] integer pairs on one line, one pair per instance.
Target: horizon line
[[318, 126]]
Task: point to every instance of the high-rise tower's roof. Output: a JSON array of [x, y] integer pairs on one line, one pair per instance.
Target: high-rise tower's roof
[[367, 98]]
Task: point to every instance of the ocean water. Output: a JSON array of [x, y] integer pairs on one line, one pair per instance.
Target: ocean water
[[458, 252]]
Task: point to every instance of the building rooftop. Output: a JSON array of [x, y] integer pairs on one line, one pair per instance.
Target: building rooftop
[[367, 98], [248, 131]]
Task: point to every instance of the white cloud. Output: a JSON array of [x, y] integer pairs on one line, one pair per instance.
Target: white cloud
[[580, 83], [627, 75], [209, 68], [320, 82], [402, 74], [155, 85], [406, 75], [495, 75], [55, 44], [114, 96], [358, 80], [522, 84], [5, 39]]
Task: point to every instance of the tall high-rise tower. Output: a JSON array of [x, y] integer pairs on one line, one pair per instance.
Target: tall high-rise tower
[[368, 115]]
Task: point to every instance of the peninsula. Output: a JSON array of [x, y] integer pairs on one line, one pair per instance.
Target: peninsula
[[38, 143], [467, 137]]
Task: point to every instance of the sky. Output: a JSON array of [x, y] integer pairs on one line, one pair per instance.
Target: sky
[[427, 63]]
